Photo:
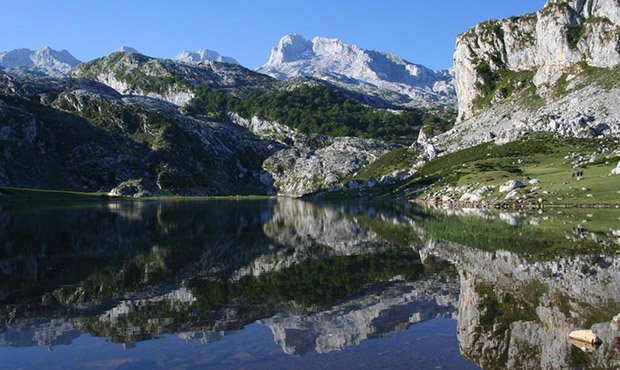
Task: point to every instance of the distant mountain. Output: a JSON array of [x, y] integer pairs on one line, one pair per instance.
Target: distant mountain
[[47, 60], [203, 55], [127, 49], [369, 72], [170, 80]]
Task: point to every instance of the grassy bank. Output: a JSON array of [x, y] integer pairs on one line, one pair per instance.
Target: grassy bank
[[52, 196], [549, 160]]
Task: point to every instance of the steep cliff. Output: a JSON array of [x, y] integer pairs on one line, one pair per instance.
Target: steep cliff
[[554, 70], [546, 44]]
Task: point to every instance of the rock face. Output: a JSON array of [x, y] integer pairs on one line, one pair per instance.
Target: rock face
[[46, 60], [202, 55], [555, 70], [370, 72], [562, 34]]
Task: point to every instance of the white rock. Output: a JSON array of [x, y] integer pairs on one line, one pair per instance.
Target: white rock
[[616, 171], [470, 197], [510, 186], [615, 323], [203, 55]]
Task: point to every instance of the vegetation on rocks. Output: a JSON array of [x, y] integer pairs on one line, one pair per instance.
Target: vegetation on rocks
[[501, 84], [396, 160], [318, 110]]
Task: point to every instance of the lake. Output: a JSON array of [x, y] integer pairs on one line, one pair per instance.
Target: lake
[[282, 283]]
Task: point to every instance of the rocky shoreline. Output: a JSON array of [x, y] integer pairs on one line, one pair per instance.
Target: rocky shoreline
[[438, 203]]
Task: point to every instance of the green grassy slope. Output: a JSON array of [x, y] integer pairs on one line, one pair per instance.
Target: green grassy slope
[[541, 156]]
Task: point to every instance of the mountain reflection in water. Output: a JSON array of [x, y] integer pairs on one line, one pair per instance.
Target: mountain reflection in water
[[328, 282]]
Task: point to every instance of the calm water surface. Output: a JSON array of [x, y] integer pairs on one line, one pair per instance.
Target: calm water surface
[[292, 284]]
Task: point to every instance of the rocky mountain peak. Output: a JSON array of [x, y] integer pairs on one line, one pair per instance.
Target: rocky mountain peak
[[47, 60], [204, 55], [127, 49], [382, 75], [588, 8], [292, 47]]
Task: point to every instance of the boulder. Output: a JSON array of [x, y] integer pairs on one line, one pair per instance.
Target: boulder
[[615, 322], [135, 188], [470, 197], [510, 186], [371, 182], [616, 171]]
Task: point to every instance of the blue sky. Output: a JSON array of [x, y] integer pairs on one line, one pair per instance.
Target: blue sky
[[420, 31]]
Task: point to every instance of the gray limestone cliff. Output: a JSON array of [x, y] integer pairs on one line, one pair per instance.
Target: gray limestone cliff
[[548, 42], [555, 70]]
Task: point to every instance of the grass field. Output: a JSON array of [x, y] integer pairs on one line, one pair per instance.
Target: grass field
[[542, 156]]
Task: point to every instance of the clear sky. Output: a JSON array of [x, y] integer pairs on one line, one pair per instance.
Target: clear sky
[[420, 31]]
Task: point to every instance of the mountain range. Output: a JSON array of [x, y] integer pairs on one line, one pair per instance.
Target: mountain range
[[385, 77], [46, 60], [320, 116]]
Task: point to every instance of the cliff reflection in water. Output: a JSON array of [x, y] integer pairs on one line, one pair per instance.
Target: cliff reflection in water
[[321, 277]]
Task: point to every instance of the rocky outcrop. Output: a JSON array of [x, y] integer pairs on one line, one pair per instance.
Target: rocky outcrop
[[510, 186], [135, 188], [202, 55], [305, 169], [305, 164], [555, 70], [548, 42], [385, 76]]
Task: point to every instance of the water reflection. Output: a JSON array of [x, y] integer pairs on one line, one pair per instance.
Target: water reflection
[[321, 278]]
